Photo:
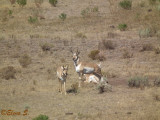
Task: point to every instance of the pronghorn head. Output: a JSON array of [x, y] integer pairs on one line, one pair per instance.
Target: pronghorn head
[[75, 55], [64, 71]]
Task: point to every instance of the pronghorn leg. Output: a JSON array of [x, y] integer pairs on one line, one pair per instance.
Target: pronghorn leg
[[80, 79], [64, 84], [61, 87]]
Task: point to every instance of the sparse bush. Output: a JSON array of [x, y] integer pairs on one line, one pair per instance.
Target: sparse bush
[[46, 46], [108, 44], [122, 27], [53, 2], [10, 12], [95, 9], [85, 12], [147, 47], [8, 72], [63, 16], [157, 49], [142, 4], [22, 2], [152, 2], [32, 19], [25, 60], [157, 82], [127, 54], [93, 54], [12, 1], [126, 4], [41, 117], [103, 86], [145, 33], [81, 35], [138, 81], [74, 88]]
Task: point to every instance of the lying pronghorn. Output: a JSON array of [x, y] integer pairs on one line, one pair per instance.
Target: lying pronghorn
[[62, 75], [85, 67], [91, 78]]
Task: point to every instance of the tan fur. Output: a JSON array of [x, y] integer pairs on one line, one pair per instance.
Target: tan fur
[[62, 75], [77, 62]]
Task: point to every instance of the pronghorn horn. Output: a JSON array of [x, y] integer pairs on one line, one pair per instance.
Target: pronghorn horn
[[78, 52], [71, 50]]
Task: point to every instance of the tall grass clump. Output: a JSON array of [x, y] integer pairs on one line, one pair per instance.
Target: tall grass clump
[[22, 2], [41, 117], [53, 2], [122, 27], [32, 19], [25, 60], [108, 44], [126, 4], [138, 81], [144, 33], [62, 16], [152, 2]]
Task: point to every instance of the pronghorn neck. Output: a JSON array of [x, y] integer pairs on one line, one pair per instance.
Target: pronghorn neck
[[76, 62]]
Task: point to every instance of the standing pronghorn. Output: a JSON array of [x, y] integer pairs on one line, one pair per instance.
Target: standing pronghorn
[[62, 75], [85, 67]]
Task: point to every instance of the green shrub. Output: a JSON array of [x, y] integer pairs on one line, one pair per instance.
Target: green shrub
[[152, 2], [32, 19], [145, 33], [10, 12], [93, 54], [138, 81], [25, 60], [8, 72], [41, 117], [53, 2], [81, 35], [95, 9], [85, 12], [62, 16], [108, 44], [122, 27], [126, 4], [22, 2]]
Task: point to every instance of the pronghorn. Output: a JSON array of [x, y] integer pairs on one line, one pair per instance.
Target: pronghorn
[[91, 78], [62, 75], [85, 67]]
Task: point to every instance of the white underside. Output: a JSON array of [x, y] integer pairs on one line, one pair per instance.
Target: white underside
[[86, 70]]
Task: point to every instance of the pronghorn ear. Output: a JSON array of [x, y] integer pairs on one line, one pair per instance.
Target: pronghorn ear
[[71, 50], [62, 67], [66, 67]]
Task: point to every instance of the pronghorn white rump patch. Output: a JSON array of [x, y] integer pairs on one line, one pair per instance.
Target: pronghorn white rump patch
[[88, 70], [93, 78]]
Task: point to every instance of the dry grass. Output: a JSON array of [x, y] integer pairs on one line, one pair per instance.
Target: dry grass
[[37, 86]]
